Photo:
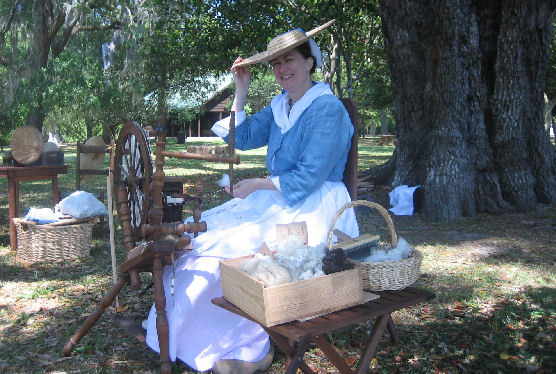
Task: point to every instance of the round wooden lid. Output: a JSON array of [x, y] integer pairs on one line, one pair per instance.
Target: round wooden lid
[[26, 144]]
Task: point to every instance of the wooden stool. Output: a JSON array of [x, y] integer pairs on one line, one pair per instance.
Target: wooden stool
[[294, 337]]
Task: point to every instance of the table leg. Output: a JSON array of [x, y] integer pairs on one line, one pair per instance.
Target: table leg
[[55, 191], [370, 348], [330, 353], [392, 330], [13, 210], [294, 356], [297, 358]]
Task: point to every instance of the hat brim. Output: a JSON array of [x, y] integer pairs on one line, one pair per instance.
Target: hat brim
[[269, 55]]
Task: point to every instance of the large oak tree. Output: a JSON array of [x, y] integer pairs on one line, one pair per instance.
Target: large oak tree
[[35, 32], [468, 79]]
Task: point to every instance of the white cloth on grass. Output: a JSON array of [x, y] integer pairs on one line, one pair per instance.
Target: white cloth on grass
[[401, 199]]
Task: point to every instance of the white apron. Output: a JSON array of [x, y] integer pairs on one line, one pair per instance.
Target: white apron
[[201, 333]]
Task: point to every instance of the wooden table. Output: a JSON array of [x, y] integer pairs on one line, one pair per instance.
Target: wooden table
[[293, 338], [16, 174], [386, 139]]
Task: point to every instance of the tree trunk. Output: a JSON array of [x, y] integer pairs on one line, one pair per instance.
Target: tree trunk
[[383, 122], [468, 82], [88, 127]]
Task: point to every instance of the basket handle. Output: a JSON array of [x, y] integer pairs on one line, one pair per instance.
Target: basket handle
[[383, 212]]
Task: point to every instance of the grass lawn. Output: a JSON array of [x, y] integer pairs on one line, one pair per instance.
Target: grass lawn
[[494, 279]]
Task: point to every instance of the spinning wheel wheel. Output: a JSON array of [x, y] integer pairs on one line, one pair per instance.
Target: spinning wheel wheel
[[133, 171]]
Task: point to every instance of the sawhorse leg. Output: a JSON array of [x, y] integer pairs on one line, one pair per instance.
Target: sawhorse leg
[[382, 323], [294, 354], [392, 330], [370, 348]]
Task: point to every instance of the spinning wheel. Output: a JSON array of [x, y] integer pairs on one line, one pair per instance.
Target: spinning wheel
[[139, 201], [133, 172]]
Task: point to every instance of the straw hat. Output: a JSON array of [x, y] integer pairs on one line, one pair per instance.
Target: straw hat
[[283, 43]]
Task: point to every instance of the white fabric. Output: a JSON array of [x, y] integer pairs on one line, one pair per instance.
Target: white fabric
[[280, 105], [315, 51], [81, 204], [222, 127], [276, 180], [201, 333], [41, 215], [401, 199]]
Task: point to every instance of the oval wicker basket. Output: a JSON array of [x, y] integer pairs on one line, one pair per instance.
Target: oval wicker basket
[[388, 275], [51, 242], [26, 144]]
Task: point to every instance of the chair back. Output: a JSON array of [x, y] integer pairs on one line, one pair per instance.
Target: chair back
[[350, 172], [90, 160]]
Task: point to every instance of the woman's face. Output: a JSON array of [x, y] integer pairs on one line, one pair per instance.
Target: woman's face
[[292, 70]]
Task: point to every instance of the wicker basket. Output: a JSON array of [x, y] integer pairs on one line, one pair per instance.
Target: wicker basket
[[389, 275], [52, 242]]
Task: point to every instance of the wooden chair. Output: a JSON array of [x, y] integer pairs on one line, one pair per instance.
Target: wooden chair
[[89, 149], [80, 173], [350, 172]]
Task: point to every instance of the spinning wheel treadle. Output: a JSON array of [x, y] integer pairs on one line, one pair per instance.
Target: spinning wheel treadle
[[133, 172]]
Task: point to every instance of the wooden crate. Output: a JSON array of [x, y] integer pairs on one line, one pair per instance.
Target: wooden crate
[[291, 301]]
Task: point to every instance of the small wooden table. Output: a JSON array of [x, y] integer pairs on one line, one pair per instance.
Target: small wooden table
[[16, 174], [294, 337]]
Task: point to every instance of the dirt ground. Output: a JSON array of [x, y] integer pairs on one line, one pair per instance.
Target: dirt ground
[[494, 311]]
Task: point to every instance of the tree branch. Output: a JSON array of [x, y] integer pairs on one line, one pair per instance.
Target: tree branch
[[551, 104], [115, 25], [55, 28], [368, 50], [60, 44], [10, 19]]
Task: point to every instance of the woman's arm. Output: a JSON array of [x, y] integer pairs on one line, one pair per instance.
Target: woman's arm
[[242, 80], [245, 187]]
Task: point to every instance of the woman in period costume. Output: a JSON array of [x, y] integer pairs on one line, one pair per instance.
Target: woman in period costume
[[308, 133]]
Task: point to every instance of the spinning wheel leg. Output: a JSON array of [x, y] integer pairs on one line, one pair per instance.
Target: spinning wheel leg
[[161, 319], [94, 316]]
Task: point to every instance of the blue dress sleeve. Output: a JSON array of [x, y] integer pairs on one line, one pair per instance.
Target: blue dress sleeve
[[325, 143], [255, 131]]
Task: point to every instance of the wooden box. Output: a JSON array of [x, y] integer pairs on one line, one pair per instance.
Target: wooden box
[[290, 301]]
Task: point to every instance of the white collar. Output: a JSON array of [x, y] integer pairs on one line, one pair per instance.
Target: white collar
[[280, 105]]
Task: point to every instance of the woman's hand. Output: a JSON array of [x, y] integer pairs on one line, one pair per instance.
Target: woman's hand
[[242, 79], [242, 75], [244, 188]]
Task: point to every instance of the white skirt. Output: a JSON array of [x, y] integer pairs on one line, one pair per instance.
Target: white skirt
[[201, 333]]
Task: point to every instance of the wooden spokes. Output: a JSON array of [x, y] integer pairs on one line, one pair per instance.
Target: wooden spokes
[[133, 170]]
